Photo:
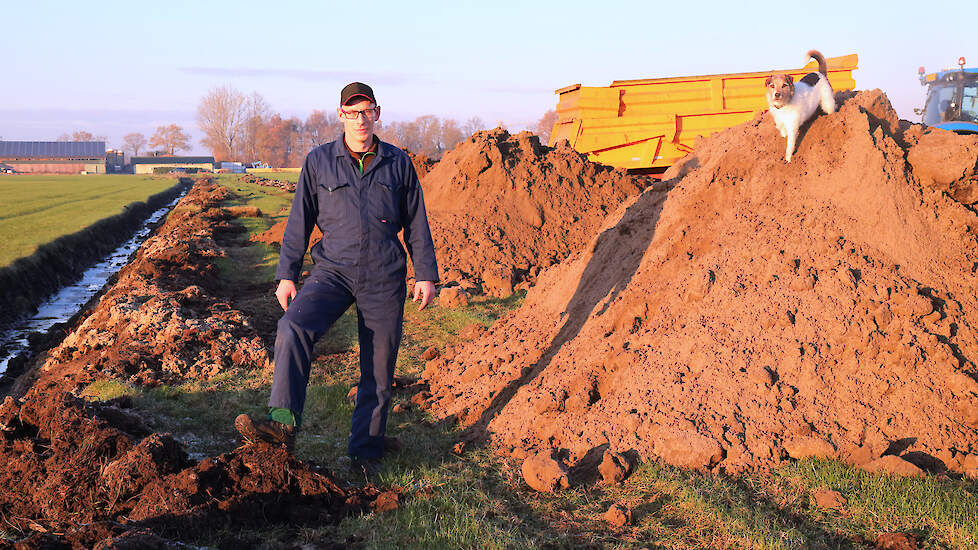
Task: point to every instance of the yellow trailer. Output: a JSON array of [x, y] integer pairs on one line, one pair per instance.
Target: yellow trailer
[[651, 123]]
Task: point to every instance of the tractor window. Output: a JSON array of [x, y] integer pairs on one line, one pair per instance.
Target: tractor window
[[938, 103], [969, 103]]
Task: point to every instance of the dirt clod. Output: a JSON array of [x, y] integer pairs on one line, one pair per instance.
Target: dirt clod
[[800, 448], [893, 465], [387, 501], [614, 468], [618, 515], [430, 353], [897, 541], [542, 472], [828, 499], [453, 297]]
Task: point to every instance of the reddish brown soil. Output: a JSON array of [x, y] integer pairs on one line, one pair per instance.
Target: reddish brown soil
[[747, 306], [79, 474], [93, 472], [422, 164], [167, 318], [504, 207], [273, 235]]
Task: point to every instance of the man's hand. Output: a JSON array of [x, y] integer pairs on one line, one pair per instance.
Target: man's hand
[[286, 293], [424, 291]]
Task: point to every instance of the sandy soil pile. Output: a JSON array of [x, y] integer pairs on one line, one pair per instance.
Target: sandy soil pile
[[165, 320], [503, 207], [750, 310], [94, 472]]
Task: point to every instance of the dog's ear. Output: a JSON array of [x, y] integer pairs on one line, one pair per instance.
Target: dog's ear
[[767, 82]]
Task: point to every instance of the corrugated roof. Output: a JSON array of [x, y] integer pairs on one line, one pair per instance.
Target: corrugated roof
[[52, 149], [172, 160]]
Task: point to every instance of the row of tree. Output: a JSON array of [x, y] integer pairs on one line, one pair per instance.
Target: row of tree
[[243, 128], [167, 140]]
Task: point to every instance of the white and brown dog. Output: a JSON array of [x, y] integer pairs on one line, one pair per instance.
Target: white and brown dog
[[792, 104]]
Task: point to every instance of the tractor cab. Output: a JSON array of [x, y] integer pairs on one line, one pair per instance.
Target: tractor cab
[[952, 99]]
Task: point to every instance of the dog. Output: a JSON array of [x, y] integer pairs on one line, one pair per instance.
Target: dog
[[792, 104]]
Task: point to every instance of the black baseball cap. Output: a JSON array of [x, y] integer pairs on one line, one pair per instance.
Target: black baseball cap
[[355, 90]]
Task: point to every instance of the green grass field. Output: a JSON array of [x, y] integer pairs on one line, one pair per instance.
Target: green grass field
[[479, 500], [38, 209]]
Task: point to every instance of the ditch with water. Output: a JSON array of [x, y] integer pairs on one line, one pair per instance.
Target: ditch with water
[[15, 340]]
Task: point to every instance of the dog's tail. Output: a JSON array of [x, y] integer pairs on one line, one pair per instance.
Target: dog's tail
[[822, 66]]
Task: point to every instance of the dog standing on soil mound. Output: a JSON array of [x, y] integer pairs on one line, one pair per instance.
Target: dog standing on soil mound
[[753, 312], [791, 105]]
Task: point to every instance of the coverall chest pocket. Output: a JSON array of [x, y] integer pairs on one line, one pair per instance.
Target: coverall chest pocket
[[385, 199], [336, 204]]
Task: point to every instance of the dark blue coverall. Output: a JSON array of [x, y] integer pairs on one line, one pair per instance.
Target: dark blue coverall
[[359, 260]]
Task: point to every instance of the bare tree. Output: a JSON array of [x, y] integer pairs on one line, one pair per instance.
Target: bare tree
[[546, 125], [279, 141], [473, 125], [134, 142], [321, 127], [222, 116], [171, 138], [258, 113], [450, 136]]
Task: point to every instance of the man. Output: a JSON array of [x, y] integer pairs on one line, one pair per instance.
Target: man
[[361, 192]]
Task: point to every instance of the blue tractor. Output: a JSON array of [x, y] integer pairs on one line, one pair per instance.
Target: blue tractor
[[952, 99]]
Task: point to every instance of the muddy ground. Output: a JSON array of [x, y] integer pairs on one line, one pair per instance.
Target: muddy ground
[[78, 473], [748, 311]]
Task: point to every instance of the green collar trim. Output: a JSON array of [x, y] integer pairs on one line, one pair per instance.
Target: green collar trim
[[362, 157]]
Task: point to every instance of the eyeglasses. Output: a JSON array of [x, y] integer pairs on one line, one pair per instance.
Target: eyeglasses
[[367, 114]]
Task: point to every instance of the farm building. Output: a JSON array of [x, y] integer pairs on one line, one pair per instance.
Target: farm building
[[149, 165], [54, 157]]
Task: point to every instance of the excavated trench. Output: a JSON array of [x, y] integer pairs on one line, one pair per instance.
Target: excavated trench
[[35, 277]]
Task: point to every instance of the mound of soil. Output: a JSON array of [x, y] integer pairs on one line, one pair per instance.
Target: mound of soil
[[273, 235], [90, 470], [165, 319], [750, 310], [503, 207]]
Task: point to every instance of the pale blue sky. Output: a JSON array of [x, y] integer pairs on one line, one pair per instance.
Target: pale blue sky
[[114, 67]]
